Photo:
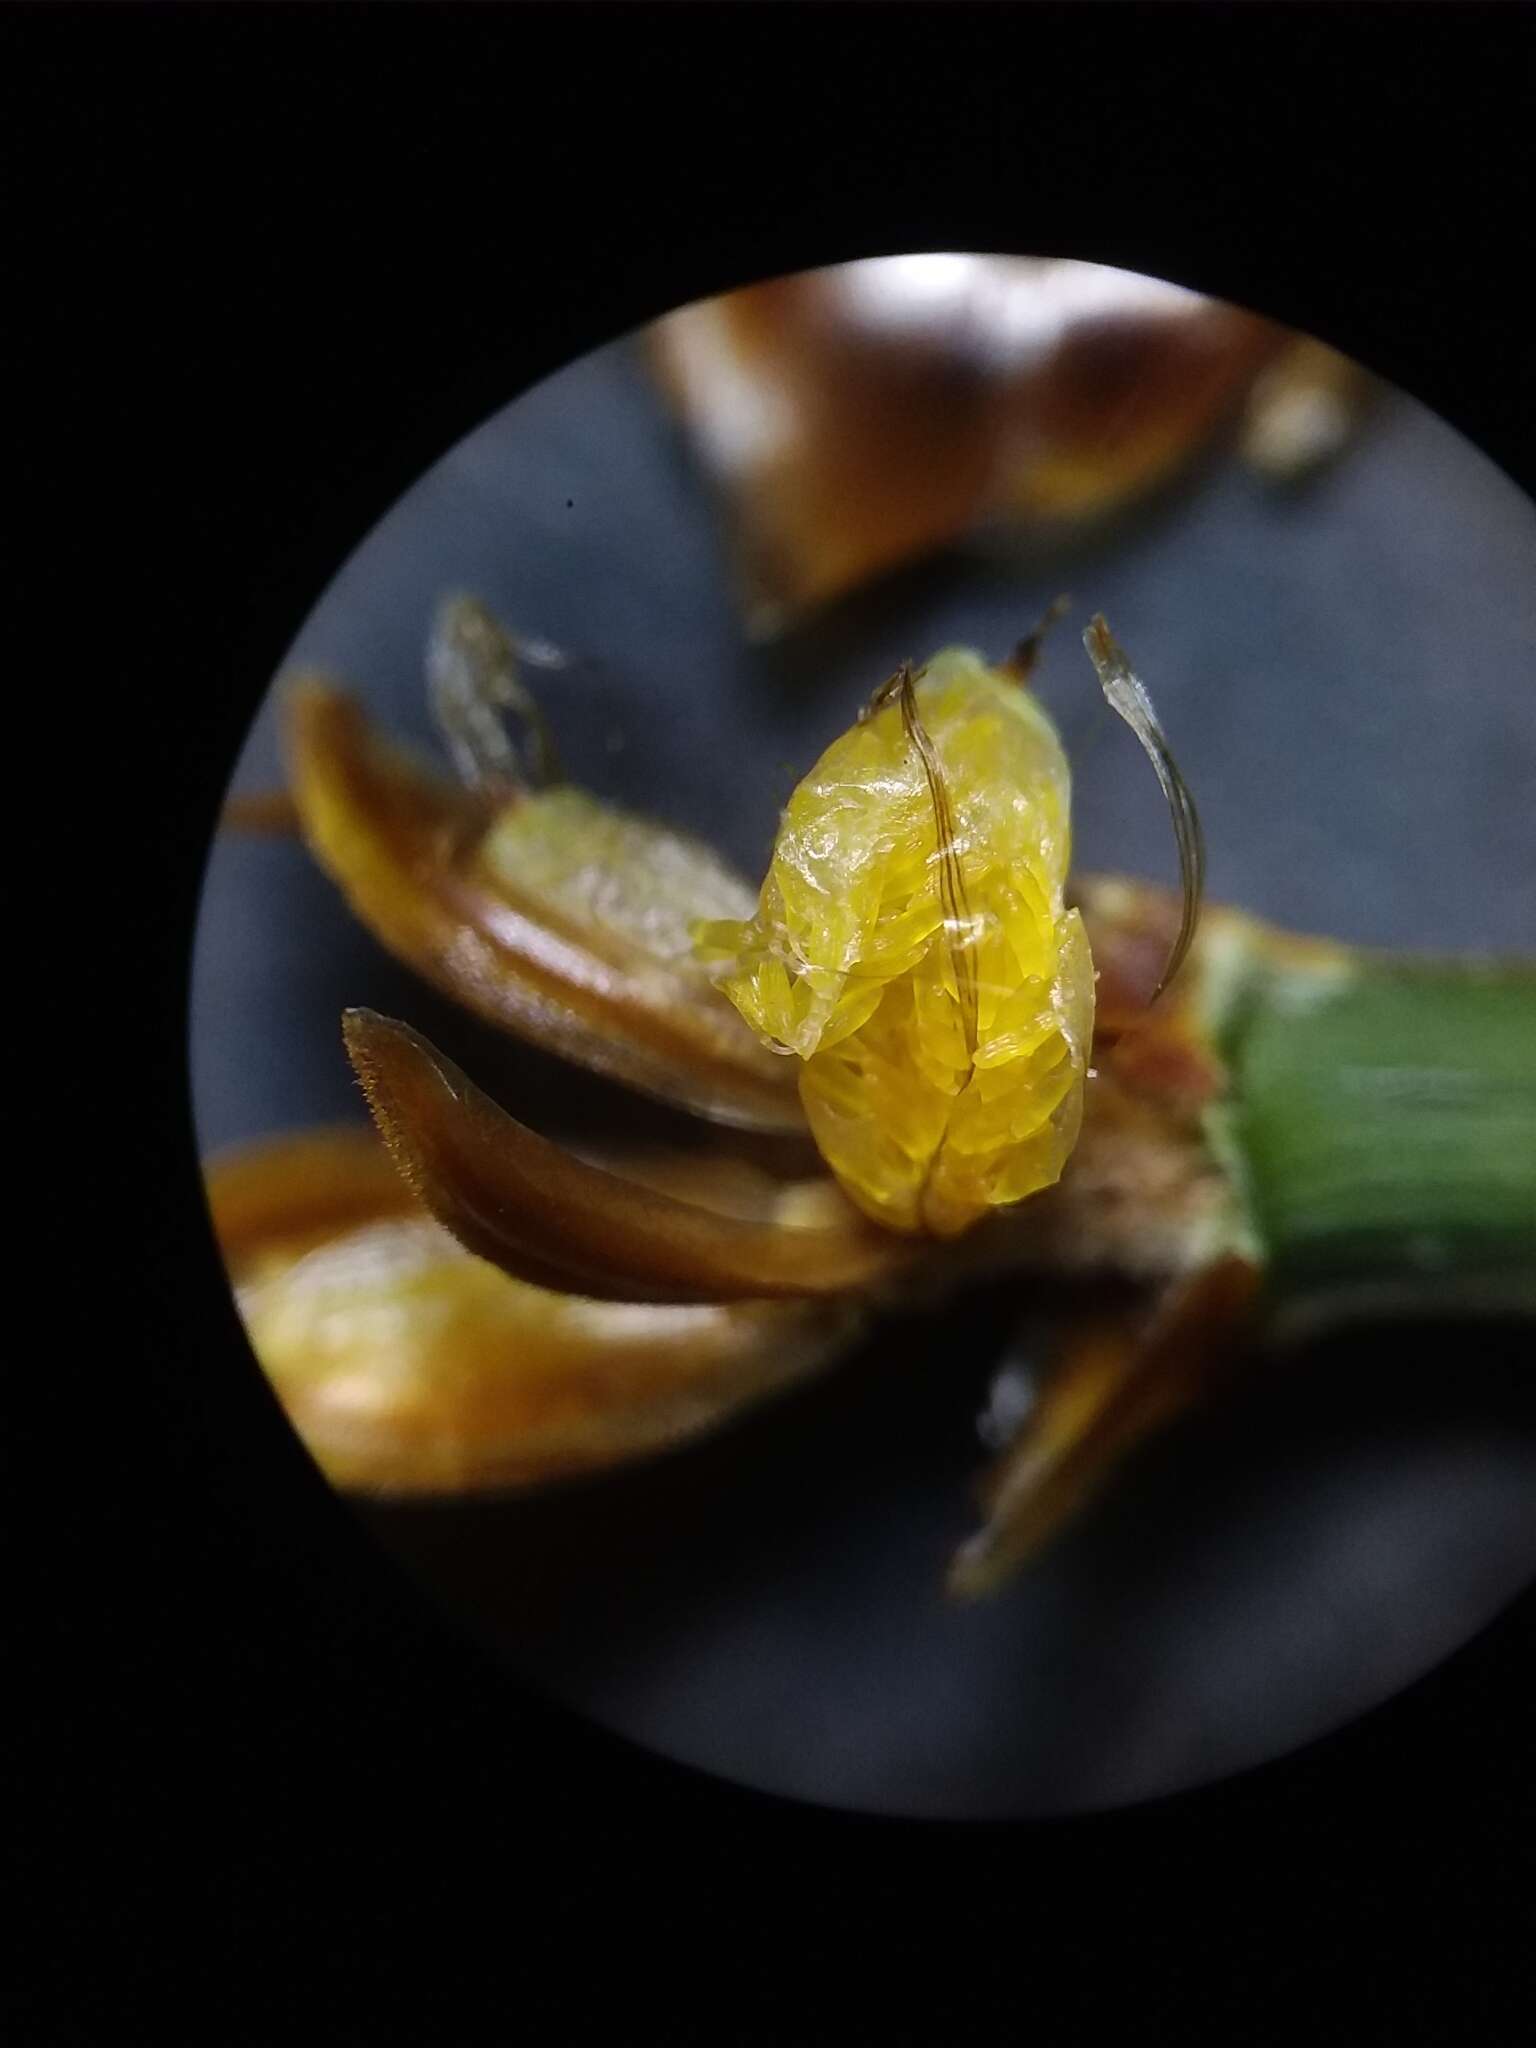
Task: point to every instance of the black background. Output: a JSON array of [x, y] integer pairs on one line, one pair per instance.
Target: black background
[[267, 265]]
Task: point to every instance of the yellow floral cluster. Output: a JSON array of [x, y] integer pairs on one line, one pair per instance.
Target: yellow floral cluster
[[911, 946]]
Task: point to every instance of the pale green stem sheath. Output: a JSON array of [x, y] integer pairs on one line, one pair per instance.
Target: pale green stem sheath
[[1381, 1126]]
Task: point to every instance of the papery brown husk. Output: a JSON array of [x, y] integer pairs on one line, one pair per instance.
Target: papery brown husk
[[404, 847], [409, 1366], [548, 1217]]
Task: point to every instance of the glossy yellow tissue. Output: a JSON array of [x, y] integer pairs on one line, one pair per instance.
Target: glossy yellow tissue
[[911, 946]]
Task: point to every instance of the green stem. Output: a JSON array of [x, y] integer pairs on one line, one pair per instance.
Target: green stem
[[1381, 1125]]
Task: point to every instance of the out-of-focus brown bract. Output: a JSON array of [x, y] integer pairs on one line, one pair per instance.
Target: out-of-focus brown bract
[[860, 416], [409, 1366], [1115, 1379], [1304, 410]]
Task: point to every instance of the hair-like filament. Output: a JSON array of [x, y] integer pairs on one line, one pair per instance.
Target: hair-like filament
[[1127, 695], [959, 924]]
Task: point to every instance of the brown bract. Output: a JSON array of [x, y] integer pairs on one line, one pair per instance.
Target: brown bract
[[544, 1215], [409, 1366], [1115, 1378], [556, 962], [857, 417]]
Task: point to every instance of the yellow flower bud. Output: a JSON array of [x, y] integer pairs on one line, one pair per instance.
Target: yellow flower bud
[[912, 948]]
